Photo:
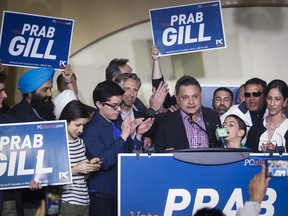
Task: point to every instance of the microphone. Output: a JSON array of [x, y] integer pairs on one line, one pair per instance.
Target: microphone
[[201, 128], [191, 119], [221, 134], [193, 122]]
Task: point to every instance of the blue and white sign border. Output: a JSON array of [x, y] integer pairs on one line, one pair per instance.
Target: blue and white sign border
[[159, 184], [52, 154], [57, 65], [176, 51]]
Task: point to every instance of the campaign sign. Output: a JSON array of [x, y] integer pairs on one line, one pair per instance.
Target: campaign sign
[[29, 40], [34, 151], [160, 185], [188, 28]]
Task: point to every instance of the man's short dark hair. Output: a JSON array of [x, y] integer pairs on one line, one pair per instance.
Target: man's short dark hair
[[2, 77], [186, 81], [242, 125], [256, 81], [105, 90], [113, 68], [223, 89], [125, 76], [209, 212]]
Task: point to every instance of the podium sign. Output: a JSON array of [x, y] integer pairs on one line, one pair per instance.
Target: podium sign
[[162, 185]]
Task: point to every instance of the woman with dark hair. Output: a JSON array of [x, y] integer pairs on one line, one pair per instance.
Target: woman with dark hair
[[271, 135], [75, 198]]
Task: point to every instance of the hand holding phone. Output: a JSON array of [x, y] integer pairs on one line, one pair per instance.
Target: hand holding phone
[[277, 168], [258, 186]]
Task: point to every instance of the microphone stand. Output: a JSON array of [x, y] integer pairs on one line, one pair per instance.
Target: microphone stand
[[270, 151], [193, 122], [201, 128]]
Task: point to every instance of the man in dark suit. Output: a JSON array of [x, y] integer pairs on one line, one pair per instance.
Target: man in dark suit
[[191, 126], [131, 84], [36, 105], [118, 66]]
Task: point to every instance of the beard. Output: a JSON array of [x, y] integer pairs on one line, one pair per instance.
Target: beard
[[44, 106], [221, 109], [128, 102]]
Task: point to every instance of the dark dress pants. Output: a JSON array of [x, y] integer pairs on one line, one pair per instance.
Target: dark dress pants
[[102, 204]]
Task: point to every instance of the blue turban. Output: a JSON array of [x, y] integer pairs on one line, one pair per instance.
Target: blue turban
[[35, 78]]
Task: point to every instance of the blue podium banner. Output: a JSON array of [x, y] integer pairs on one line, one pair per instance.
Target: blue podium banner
[[29, 40], [188, 28], [160, 185], [34, 151]]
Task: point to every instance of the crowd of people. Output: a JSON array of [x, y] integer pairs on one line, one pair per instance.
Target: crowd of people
[[120, 122]]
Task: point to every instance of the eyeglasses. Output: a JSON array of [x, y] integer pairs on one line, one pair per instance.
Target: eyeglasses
[[134, 90], [254, 94], [115, 107]]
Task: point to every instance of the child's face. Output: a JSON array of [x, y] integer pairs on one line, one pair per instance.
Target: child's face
[[231, 125]]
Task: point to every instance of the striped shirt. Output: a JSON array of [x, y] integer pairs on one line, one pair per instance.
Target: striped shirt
[[77, 192], [197, 138]]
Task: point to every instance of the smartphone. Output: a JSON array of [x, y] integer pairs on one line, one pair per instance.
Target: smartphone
[[52, 199], [277, 168]]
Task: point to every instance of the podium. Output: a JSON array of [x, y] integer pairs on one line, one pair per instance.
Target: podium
[[182, 182]]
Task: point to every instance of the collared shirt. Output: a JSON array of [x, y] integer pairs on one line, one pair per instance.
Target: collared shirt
[[125, 114], [197, 138]]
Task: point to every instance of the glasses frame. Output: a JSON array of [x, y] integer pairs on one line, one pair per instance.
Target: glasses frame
[[114, 107]]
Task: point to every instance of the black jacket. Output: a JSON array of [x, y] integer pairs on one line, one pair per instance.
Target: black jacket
[[171, 133], [23, 112]]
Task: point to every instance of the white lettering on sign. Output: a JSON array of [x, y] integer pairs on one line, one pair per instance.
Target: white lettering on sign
[[11, 166], [202, 194], [186, 28], [182, 19], [172, 205], [30, 47], [15, 142], [182, 35], [254, 162], [36, 31], [200, 197]]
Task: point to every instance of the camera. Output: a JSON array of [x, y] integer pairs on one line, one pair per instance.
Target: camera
[[276, 168]]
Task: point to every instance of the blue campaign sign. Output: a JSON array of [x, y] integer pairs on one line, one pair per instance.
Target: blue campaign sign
[[34, 151], [29, 40], [162, 185], [188, 28]]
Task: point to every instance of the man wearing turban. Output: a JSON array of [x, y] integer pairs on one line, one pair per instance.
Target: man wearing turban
[[36, 104]]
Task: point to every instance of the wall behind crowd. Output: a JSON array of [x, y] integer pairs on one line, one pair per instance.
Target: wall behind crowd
[[256, 43]]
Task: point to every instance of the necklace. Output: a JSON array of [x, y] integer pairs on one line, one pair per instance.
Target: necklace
[[271, 128]]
